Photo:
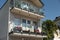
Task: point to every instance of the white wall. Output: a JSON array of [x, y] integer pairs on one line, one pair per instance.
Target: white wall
[[4, 21]]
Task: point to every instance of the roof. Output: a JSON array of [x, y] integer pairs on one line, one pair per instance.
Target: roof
[[57, 18]]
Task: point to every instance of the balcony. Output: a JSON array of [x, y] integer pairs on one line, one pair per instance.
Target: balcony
[[26, 27], [27, 9], [20, 33]]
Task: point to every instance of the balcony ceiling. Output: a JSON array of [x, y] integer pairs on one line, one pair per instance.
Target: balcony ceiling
[[37, 3], [26, 13]]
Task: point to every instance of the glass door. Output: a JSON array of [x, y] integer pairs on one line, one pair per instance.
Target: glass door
[[17, 22], [23, 24], [28, 25]]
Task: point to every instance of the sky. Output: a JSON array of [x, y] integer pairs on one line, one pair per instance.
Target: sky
[[2, 2], [51, 9]]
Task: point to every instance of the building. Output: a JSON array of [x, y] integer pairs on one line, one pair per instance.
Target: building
[[57, 21], [25, 20], [4, 10]]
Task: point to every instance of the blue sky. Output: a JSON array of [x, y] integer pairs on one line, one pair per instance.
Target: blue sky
[[51, 9], [2, 2]]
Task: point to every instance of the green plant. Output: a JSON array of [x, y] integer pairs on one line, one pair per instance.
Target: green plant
[[49, 27]]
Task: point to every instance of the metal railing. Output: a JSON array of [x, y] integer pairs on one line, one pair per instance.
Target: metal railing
[[27, 7]]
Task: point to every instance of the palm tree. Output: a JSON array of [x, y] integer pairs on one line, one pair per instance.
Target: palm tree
[[49, 27]]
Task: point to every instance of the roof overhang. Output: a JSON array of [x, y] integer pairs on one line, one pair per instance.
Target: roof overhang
[[38, 3]]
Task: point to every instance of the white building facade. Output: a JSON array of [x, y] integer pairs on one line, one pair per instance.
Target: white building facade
[[25, 20]]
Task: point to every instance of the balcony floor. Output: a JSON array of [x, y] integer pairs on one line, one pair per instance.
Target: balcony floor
[[19, 36], [26, 13]]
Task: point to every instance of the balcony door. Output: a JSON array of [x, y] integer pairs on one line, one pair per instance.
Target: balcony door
[[17, 22], [23, 24], [35, 25], [26, 24]]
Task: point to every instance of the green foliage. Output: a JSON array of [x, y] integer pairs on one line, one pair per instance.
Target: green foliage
[[49, 27]]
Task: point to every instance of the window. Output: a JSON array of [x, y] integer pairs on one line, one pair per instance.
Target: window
[[31, 10], [11, 3], [17, 3], [17, 21], [23, 21], [34, 22], [28, 22], [35, 25], [24, 6]]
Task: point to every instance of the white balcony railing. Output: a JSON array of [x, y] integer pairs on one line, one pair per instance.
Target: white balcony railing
[[26, 6]]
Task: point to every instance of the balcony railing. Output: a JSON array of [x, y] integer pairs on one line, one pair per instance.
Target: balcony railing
[[19, 30], [26, 6]]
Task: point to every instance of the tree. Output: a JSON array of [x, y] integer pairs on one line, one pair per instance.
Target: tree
[[49, 27]]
